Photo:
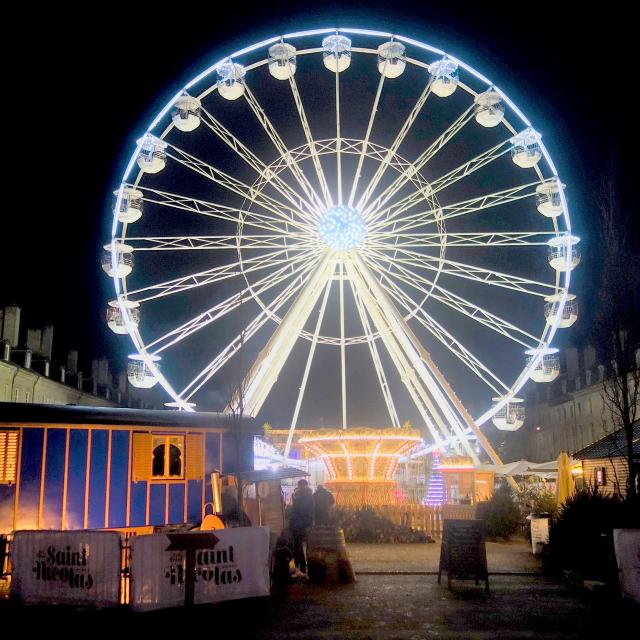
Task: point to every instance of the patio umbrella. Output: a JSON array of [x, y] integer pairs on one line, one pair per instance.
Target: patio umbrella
[[565, 484]]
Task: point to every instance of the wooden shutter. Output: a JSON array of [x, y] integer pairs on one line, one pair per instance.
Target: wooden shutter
[[8, 456], [142, 456], [194, 456]]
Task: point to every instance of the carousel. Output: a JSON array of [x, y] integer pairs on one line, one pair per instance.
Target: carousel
[[360, 462]]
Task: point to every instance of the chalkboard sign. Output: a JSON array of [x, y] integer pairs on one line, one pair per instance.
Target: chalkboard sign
[[463, 554]]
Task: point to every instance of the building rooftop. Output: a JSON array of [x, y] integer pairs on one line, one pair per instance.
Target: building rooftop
[[613, 445]]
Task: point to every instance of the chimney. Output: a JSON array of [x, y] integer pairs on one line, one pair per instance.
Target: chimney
[[46, 344], [63, 374], [47, 368], [589, 355], [573, 368], [72, 362], [80, 380], [6, 350], [10, 324], [587, 375], [27, 358], [104, 377], [34, 338]]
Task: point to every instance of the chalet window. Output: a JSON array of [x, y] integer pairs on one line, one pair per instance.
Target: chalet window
[[168, 456], [159, 456], [601, 476], [8, 456]]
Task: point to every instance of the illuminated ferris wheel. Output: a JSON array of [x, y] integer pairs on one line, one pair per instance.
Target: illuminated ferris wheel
[[344, 190]]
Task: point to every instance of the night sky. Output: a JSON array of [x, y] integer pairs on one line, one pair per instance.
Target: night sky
[[83, 87]]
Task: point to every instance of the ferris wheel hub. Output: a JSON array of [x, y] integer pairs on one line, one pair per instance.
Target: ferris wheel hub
[[342, 228]]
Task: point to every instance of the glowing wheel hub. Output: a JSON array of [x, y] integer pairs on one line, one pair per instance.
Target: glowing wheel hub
[[342, 228]]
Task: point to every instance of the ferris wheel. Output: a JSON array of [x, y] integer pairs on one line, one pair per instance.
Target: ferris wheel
[[344, 191]]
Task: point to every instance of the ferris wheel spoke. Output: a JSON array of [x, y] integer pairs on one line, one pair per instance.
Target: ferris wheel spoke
[[365, 142], [315, 157], [471, 272], [448, 179], [219, 211], [301, 204], [298, 174], [404, 130], [338, 138], [307, 368], [446, 212], [297, 269], [343, 369], [432, 396], [238, 187], [382, 241], [375, 357], [456, 302], [209, 276], [439, 143], [445, 337], [264, 372], [292, 242], [267, 313]]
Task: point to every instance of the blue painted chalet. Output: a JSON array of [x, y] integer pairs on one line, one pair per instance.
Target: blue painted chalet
[[71, 467]]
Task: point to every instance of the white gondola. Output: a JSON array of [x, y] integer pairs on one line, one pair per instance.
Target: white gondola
[[391, 60], [548, 367], [565, 316], [563, 254], [139, 374], [230, 83], [549, 198], [130, 204], [152, 157], [124, 260], [336, 53], [115, 317], [445, 77], [282, 61], [510, 417], [186, 113], [525, 150], [489, 109]]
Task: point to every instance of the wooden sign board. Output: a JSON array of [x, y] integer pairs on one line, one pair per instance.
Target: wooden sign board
[[463, 554]]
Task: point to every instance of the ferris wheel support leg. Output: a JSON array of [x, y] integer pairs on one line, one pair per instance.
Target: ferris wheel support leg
[[307, 368], [420, 360], [420, 397], [264, 372]]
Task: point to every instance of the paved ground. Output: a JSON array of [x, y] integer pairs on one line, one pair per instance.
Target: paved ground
[[383, 606], [511, 557]]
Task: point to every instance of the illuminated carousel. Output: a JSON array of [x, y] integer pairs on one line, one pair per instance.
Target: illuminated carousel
[[361, 462]]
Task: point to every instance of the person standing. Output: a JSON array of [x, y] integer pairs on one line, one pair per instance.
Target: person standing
[[323, 500], [300, 522]]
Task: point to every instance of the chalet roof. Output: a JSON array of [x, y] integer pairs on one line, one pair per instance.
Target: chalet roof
[[613, 445], [42, 414]]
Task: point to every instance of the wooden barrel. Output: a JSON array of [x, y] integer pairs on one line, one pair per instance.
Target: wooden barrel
[[327, 558]]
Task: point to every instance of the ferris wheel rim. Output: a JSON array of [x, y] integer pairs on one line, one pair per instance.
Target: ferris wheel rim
[[549, 330]]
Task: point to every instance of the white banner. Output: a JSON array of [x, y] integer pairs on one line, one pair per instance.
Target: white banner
[[66, 567], [234, 565], [626, 543]]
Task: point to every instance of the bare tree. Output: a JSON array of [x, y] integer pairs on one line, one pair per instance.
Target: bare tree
[[618, 325]]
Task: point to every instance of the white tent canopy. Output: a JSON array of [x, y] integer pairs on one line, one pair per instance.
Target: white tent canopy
[[523, 468]]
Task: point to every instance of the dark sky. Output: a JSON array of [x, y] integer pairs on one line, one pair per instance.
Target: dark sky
[[82, 88]]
